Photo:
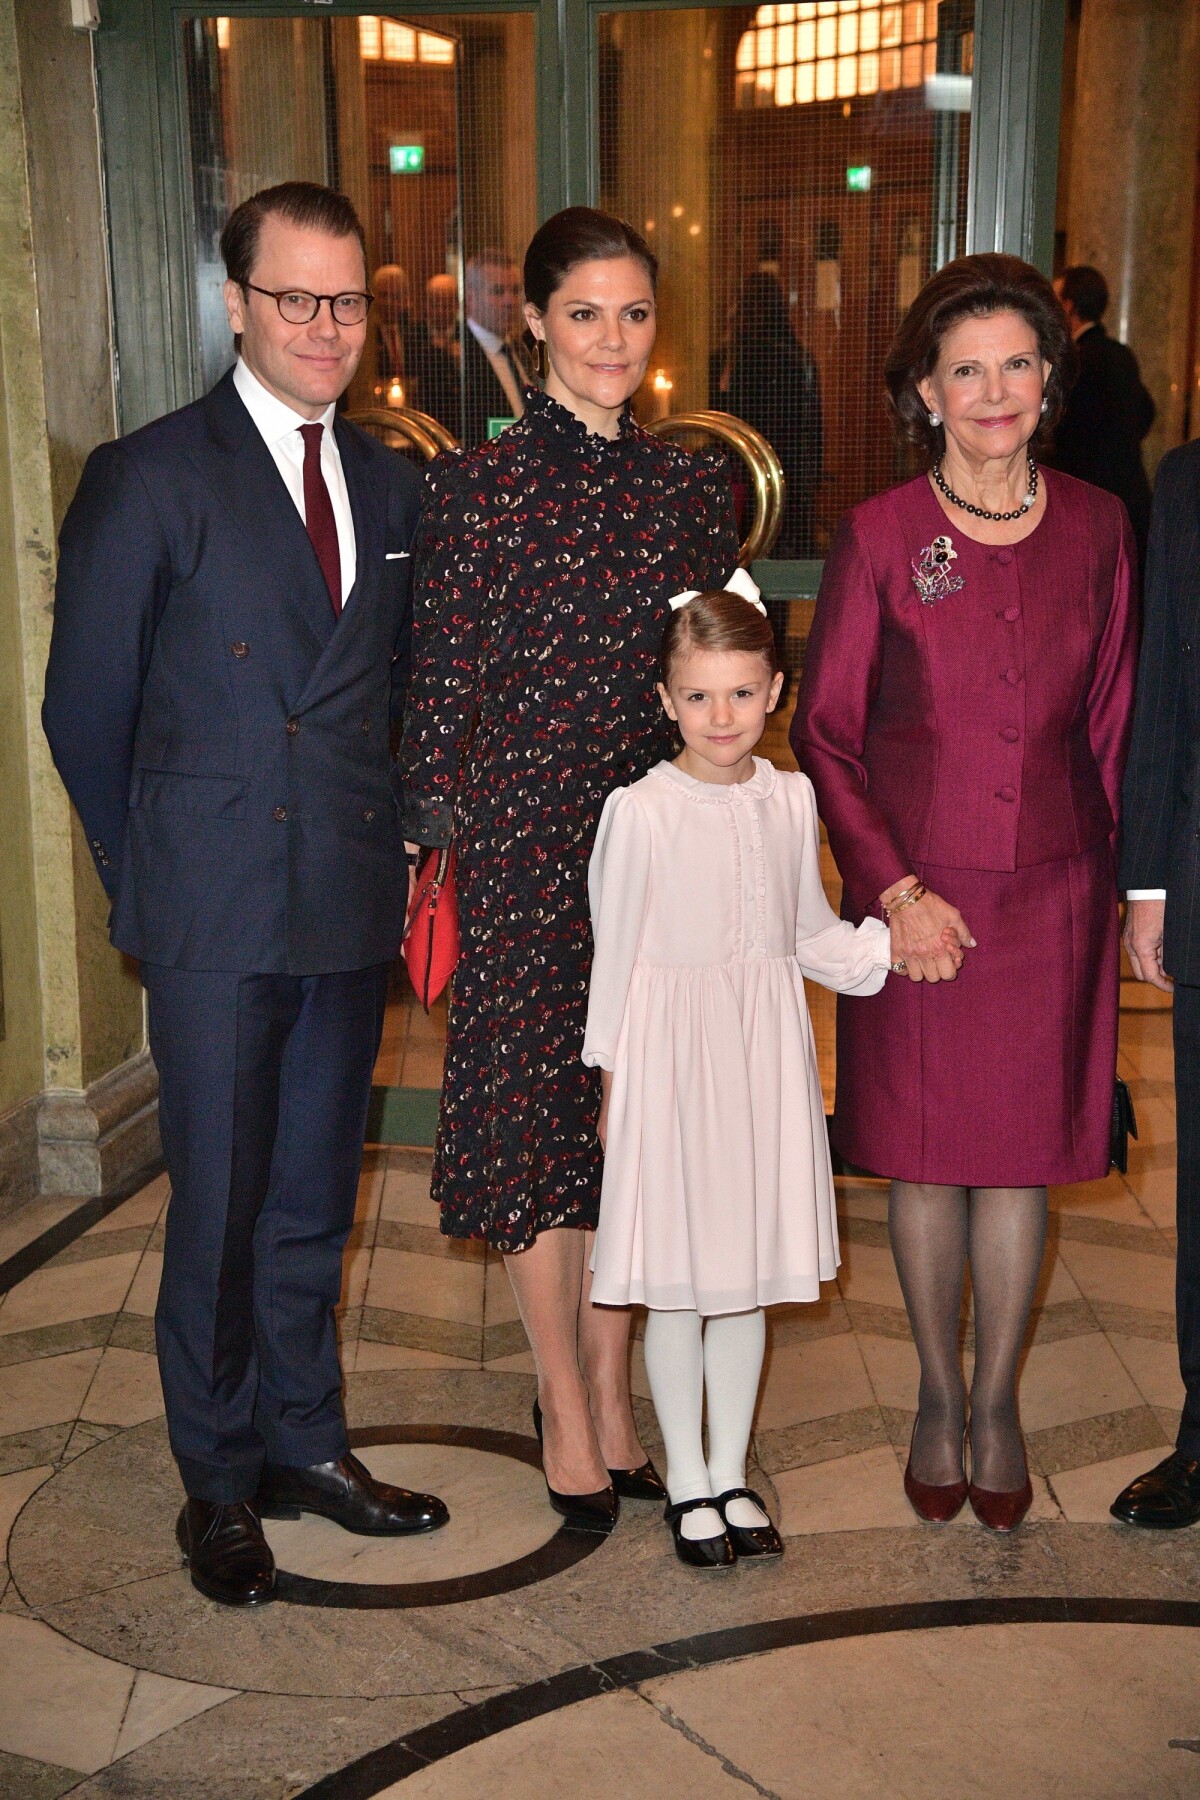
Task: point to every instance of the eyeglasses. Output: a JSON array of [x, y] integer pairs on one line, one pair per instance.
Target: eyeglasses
[[298, 308]]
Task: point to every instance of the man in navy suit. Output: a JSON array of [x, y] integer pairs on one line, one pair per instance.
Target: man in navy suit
[[230, 647], [1160, 873]]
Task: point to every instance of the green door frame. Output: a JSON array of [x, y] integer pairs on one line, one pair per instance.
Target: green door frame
[[1014, 160]]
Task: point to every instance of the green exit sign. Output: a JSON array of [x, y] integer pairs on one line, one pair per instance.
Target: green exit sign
[[409, 159], [858, 178]]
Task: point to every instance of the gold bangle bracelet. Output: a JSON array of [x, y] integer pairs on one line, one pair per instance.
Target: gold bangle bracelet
[[909, 897]]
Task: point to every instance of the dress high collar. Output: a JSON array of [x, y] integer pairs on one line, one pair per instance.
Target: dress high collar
[[552, 417]]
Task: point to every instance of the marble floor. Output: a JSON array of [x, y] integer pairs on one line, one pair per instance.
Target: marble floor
[[507, 1657]]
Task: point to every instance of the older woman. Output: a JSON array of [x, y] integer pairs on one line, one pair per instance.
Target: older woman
[[964, 719]]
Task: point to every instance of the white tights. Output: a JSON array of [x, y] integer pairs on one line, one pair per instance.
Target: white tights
[[687, 1360]]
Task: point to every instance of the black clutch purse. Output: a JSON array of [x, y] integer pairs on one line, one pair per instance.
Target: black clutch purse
[[1123, 1127]]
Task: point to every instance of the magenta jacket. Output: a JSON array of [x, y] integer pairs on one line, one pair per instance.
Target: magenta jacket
[[986, 729]]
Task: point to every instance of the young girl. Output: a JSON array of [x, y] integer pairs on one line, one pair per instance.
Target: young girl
[[708, 910]]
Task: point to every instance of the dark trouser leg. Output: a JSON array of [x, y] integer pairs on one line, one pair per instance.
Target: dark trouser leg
[[218, 1043], [1187, 1207], [303, 1226]]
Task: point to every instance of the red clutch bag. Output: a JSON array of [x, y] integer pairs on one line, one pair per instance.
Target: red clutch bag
[[430, 944]]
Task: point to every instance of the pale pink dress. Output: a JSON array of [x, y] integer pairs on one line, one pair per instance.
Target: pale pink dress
[[708, 911]]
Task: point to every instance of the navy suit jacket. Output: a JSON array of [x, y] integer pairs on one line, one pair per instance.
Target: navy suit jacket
[[224, 738], [1160, 808]]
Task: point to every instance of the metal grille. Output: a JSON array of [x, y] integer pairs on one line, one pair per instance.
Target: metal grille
[[795, 220]]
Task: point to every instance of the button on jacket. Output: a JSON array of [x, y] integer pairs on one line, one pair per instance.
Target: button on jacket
[[222, 734]]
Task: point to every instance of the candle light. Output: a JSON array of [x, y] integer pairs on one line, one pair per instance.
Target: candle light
[[395, 393], [660, 389]]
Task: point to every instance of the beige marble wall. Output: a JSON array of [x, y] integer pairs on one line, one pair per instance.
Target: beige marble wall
[[1134, 142], [73, 1008]]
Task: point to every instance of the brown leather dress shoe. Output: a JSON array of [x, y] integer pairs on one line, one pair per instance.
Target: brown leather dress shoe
[[349, 1494], [1165, 1498], [226, 1552]]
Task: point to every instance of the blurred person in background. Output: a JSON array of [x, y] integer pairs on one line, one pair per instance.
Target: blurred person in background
[[492, 373], [1109, 411]]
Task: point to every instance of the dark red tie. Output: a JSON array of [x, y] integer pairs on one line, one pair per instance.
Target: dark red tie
[[318, 514]]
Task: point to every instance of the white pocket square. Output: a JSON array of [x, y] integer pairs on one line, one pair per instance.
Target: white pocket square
[[395, 555]]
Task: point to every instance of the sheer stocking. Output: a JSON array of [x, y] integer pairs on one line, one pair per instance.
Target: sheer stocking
[[1007, 1242], [547, 1280], [927, 1225], [604, 1362]]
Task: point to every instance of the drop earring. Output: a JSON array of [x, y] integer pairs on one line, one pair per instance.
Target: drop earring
[[1045, 405], [541, 359], [935, 419]]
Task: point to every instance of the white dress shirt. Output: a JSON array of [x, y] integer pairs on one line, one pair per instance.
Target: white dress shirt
[[497, 353], [279, 428]]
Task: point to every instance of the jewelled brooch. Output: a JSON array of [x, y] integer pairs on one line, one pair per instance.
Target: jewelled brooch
[[932, 575]]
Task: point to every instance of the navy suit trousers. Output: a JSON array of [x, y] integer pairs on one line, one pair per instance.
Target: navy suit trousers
[[264, 1082], [1186, 1023]]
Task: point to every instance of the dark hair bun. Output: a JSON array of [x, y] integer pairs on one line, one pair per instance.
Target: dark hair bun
[[579, 234]]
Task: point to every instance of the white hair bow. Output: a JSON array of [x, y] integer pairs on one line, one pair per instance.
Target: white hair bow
[[739, 583]]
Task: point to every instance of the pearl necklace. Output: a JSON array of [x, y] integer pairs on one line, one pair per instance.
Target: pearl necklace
[[978, 511]]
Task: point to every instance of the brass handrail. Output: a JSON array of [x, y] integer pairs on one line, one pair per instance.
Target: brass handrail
[[766, 471], [429, 436], [424, 433]]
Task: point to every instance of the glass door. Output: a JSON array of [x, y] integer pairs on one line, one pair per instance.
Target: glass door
[[425, 122], [800, 169]]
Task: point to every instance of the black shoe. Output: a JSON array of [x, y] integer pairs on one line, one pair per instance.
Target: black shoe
[[699, 1553], [749, 1540], [349, 1494], [224, 1547], [1165, 1498], [582, 1512], [644, 1483]]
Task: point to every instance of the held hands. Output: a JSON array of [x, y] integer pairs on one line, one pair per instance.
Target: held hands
[[1143, 940], [929, 936]]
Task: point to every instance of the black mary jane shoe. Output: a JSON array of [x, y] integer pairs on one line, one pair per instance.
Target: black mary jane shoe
[[644, 1483], [699, 1553], [583, 1512], [347, 1492], [749, 1540], [227, 1555]]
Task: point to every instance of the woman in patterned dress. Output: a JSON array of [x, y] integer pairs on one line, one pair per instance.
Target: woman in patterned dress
[[545, 563]]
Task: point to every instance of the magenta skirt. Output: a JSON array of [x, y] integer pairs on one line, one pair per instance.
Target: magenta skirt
[[1003, 1078]]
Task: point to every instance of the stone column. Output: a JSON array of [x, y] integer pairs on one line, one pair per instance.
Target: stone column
[[77, 1088], [1131, 212]]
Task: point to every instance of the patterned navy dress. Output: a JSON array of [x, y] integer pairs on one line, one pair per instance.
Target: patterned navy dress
[[544, 564]]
